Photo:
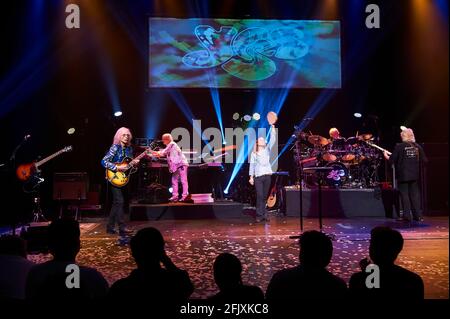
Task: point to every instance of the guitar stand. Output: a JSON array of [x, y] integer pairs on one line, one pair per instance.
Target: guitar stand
[[38, 216]]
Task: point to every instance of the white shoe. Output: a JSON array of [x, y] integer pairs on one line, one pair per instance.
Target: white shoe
[[184, 197]]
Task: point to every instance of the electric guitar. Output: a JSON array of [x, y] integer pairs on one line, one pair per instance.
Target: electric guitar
[[120, 179], [25, 171], [378, 147]]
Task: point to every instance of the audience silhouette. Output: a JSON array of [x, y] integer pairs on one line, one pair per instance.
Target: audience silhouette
[[151, 285], [395, 282], [47, 281], [157, 282], [310, 279], [15, 267], [227, 275]]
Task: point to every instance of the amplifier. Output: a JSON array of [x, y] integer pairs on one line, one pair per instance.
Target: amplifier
[[70, 186]]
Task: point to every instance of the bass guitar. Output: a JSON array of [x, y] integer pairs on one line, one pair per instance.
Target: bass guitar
[[25, 171], [121, 178]]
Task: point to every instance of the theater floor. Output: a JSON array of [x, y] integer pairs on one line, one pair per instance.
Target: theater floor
[[264, 249]]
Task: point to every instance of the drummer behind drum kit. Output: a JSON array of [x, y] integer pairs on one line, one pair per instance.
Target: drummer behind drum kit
[[355, 163]]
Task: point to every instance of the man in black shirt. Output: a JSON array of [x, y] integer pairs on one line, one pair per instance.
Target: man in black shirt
[[407, 158]]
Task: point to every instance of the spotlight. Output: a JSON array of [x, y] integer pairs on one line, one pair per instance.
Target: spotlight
[[71, 130], [256, 116], [358, 115], [247, 118], [170, 190], [225, 191], [403, 128], [118, 113], [236, 116]]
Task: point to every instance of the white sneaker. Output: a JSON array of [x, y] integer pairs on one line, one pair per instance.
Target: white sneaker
[[184, 197]]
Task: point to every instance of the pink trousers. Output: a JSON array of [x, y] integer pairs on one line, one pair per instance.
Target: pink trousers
[[180, 173]]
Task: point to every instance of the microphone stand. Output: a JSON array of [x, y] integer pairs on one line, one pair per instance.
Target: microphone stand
[[300, 177], [12, 164]]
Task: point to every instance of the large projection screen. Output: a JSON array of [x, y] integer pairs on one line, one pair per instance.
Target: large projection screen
[[230, 53]]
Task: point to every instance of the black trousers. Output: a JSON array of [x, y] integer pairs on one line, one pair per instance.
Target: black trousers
[[410, 198], [117, 208], [262, 186]]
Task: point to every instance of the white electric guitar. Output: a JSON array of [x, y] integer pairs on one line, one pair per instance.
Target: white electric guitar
[[378, 147]]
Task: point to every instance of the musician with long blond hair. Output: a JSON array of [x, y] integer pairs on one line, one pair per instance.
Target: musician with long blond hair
[[120, 149]]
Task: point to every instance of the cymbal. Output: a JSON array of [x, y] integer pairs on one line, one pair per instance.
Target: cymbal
[[352, 140], [365, 137], [318, 140]]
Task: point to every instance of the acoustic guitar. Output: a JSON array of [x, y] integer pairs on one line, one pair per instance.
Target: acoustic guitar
[[25, 171]]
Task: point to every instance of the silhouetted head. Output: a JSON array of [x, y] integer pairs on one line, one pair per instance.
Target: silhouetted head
[[13, 246], [64, 239], [316, 249], [227, 270], [147, 247], [385, 245]]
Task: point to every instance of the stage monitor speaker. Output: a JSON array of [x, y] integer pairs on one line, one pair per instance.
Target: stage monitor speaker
[[70, 186]]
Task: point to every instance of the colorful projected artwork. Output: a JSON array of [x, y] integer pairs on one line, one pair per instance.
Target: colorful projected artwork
[[244, 53]]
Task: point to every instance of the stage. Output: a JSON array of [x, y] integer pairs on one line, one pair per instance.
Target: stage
[[266, 248]]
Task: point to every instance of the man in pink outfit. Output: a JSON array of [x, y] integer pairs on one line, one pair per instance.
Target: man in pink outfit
[[178, 166]]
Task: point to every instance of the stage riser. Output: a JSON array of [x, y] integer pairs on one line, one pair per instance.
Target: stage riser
[[190, 211], [341, 203]]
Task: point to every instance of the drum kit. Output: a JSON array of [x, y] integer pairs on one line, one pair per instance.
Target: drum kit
[[354, 163]]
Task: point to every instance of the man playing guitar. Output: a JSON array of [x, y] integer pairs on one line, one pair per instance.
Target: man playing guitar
[[119, 150]]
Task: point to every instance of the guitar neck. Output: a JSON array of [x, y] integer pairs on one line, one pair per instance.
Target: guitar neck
[[142, 154], [48, 158], [380, 148]]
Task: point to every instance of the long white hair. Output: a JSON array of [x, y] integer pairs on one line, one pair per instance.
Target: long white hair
[[119, 133], [407, 136]]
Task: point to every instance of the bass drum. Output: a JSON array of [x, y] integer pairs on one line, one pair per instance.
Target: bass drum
[[337, 176]]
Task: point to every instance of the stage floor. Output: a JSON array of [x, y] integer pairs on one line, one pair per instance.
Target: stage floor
[[264, 249]]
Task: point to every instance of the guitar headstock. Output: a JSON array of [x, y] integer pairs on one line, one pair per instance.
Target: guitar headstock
[[67, 148]]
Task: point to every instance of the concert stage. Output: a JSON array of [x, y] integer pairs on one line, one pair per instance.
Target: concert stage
[[340, 203], [266, 248], [217, 210]]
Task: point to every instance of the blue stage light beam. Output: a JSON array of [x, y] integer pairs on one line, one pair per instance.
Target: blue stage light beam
[[182, 104], [154, 109], [267, 100], [216, 100]]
